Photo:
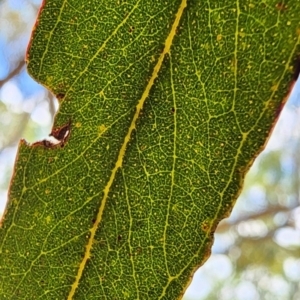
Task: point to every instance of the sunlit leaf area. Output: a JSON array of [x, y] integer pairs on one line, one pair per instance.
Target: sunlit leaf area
[[256, 251]]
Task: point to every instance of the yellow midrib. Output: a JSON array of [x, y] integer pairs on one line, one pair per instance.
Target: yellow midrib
[[119, 161]]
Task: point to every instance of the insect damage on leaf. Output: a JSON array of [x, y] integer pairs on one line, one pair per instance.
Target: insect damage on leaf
[[59, 137]]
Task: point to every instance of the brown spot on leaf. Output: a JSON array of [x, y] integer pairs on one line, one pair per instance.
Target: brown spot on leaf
[[60, 96], [281, 6]]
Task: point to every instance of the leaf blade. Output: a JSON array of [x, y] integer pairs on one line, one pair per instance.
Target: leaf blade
[[174, 181]]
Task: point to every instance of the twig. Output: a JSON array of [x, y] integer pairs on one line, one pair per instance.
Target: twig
[[13, 73]]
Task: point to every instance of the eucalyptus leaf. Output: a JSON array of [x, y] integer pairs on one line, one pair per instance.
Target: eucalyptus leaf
[[163, 107]]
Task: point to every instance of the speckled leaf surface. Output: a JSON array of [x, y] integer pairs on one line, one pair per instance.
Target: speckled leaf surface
[[168, 103]]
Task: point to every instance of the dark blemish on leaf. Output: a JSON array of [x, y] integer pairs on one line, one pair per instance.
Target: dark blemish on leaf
[[205, 226], [60, 96], [281, 6], [131, 29], [119, 238], [46, 144], [173, 110]]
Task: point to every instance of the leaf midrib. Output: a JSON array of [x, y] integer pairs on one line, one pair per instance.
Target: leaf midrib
[[119, 162]]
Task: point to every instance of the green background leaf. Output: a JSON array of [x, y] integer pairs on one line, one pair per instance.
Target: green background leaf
[[127, 208]]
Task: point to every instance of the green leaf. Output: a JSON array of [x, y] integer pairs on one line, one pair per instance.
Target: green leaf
[[168, 105]]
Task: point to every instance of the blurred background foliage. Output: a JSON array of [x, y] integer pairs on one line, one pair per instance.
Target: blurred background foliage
[[256, 253]]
